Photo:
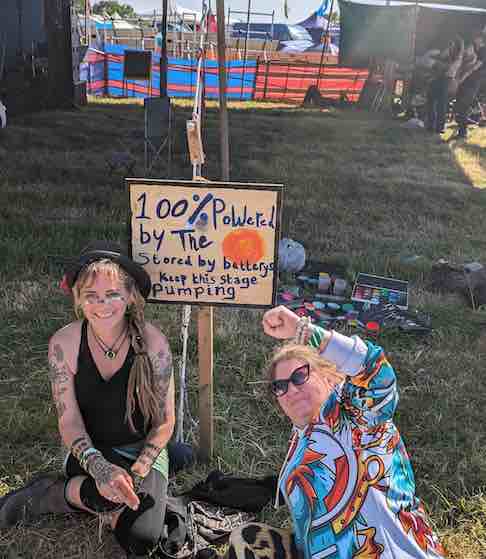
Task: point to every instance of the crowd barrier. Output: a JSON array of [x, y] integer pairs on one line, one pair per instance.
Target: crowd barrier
[[274, 80], [289, 81], [103, 72]]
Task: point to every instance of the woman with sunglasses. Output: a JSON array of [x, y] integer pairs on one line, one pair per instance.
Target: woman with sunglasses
[[347, 478], [113, 388]]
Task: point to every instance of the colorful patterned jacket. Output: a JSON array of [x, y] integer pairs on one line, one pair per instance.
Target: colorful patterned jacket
[[347, 478]]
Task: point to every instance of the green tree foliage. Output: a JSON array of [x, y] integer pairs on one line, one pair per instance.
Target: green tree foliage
[[111, 7], [79, 6]]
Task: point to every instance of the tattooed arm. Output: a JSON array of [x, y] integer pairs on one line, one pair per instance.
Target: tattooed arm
[[160, 433], [61, 375]]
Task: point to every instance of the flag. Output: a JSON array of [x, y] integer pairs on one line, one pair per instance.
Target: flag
[[321, 11]]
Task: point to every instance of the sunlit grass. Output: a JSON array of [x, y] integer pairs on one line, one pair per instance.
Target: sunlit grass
[[470, 154]]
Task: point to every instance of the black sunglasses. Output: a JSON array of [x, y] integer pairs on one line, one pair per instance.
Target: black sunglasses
[[298, 377]]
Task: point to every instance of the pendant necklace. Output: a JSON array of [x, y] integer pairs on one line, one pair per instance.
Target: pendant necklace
[[110, 352]]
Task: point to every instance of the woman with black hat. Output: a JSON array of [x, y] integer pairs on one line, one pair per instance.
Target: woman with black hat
[[112, 384]]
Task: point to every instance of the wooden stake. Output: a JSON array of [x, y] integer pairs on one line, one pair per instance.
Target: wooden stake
[[205, 352], [205, 316]]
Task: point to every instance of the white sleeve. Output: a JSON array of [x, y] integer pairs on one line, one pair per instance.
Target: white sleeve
[[347, 353]]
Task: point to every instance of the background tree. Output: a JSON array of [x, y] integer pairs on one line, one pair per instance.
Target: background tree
[[79, 6], [111, 7]]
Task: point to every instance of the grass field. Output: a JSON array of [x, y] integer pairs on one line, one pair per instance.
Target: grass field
[[360, 190]]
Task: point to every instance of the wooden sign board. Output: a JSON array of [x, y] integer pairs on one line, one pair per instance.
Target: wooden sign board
[[207, 243]]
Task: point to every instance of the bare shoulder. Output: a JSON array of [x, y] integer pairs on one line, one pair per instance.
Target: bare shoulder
[[159, 351], [64, 346], [155, 339]]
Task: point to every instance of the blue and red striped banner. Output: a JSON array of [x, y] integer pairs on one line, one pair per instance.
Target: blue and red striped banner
[[104, 73], [274, 80]]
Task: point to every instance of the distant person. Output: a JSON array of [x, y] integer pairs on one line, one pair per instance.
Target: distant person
[[470, 80], [444, 70], [347, 478], [112, 385]]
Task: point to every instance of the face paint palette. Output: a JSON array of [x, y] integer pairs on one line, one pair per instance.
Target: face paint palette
[[378, 290]]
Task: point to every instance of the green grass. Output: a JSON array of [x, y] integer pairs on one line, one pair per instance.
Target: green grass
[[360, 190]]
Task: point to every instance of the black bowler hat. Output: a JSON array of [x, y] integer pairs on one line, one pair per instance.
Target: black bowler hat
[[100, 250]]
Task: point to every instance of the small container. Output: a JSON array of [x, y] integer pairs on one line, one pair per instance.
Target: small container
[[339, 287], [324, 282], [372, 327]]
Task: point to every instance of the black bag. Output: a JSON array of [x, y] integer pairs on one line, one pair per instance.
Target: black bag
[[246, 494]]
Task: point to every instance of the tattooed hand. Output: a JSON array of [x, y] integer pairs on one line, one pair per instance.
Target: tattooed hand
[[113, 482]]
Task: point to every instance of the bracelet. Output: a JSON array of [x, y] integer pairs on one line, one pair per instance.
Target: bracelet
[[302, 330], [137, 481], [83, 457]]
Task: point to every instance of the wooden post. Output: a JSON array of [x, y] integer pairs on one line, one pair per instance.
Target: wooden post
[[205, 352], [205, 314]]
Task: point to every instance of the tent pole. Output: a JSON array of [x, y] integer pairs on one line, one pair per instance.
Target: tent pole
[[223, 112], [326, 37], [86, 22], [247, 35], [163, 52]]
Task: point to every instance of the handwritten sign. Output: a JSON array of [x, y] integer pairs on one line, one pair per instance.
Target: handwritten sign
[[207, 243]]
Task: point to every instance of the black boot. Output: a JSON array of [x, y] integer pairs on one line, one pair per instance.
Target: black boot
[[42, 495]]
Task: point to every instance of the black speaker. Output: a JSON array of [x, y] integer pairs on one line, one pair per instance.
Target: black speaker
[[137, 65]]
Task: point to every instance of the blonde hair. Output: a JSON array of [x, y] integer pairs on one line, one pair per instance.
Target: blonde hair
[[307, 354], [142, 380]]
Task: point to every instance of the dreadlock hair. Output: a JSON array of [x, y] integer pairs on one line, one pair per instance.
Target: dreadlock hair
[[142, 386]]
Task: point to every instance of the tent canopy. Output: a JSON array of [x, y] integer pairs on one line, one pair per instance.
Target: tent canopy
[[393, 29]]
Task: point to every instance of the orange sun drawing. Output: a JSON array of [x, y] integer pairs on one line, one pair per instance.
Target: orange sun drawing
[[245, 245]]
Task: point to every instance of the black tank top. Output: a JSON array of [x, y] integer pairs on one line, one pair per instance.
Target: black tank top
[[103, 403]]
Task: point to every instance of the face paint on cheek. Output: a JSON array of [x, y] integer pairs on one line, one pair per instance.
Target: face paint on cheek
[[93, 299], [116, 297]]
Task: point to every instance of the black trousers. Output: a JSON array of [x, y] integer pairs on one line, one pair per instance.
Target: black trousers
[[437, 104], [138, 532], [466, 94]]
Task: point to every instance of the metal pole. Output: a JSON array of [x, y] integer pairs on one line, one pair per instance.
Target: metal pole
[[223, 112], [163, 51], [87, 33], [247, 35], [326, 38]]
